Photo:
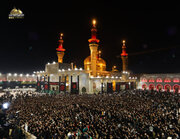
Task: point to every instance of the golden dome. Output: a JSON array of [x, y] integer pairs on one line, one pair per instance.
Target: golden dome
[[87, 60], [19, 11], [14, 11], [101, 61], [87, 63], [101, 64]]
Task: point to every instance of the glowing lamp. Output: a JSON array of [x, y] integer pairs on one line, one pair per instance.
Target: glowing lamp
[[94, 22]]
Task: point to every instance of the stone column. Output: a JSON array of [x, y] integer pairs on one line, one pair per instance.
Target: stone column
[[78, 83], [48, 83], [59, 83]]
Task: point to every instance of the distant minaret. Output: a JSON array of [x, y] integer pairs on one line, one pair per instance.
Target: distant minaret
[[93, 44], [124, 57], [60, 49]]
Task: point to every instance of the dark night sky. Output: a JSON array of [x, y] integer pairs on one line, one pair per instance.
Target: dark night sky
[[28, 44]]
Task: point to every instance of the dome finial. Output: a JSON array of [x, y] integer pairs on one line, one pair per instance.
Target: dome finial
[[99, 52], [124, 42], [61, 35], [94, 22]]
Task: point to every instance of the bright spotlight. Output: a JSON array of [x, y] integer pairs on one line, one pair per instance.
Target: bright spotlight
[[5, 105]]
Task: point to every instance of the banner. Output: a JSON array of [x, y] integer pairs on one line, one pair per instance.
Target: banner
[[74, 88], [62, 86], [117, 87], [109, 88], [45, 85]]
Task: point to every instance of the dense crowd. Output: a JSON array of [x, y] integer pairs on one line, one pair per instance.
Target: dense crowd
[[8, 130], [129, 114]]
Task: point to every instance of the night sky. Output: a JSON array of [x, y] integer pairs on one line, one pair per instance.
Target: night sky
[[152, 35]]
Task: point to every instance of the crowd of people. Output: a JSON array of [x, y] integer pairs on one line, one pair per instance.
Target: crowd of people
[[8, 130], [128, 114]]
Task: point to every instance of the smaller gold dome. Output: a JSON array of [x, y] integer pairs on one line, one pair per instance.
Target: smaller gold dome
[[114, 69], [19, 11]]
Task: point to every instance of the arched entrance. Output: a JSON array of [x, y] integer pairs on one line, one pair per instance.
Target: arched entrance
[[167, 87], [176, 88], [159, 87], [159, 80], [144, 86], [151, 87]]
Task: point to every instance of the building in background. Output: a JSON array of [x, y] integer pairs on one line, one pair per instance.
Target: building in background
[[17, 81], [160, 82], [93, 78]]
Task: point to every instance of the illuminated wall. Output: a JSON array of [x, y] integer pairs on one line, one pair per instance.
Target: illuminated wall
[[158, 82]]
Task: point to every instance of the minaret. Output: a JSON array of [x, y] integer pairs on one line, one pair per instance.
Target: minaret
[[60, 49], [93, 44], [124, 57]]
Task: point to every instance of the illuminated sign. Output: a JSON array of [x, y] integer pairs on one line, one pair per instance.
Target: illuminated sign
[[16, 14]]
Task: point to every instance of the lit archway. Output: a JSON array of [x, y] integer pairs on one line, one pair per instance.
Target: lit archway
[[151, 87], [176, 88], [144, 80], [167, 80], [176, 80], [151, 80], [144, 86], [159, 80], [159, 87], [167, 87]]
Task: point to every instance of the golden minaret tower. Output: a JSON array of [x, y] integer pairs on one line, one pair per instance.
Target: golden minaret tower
[[124, 57], [93, 44], [60, 49]]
